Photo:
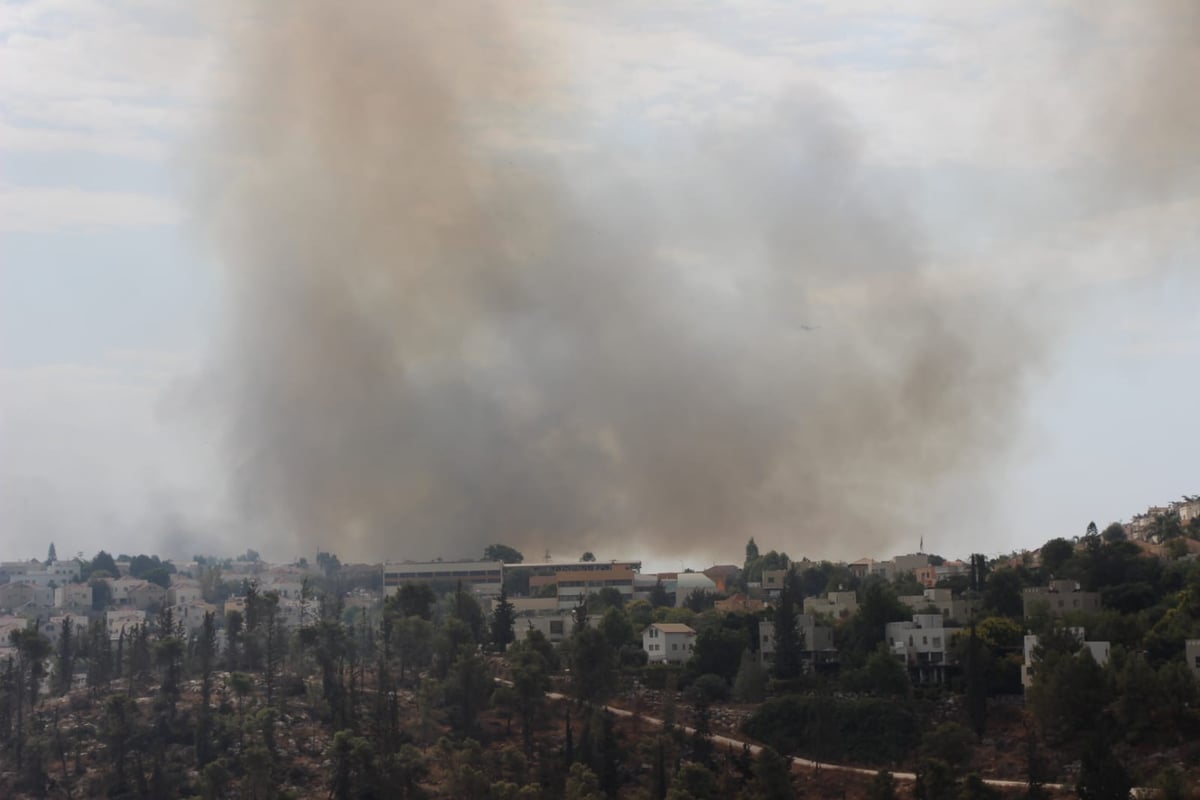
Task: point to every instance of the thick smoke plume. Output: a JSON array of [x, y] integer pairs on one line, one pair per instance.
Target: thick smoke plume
[[442, 336]]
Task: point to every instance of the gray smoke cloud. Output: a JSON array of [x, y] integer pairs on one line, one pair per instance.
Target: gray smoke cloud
[[439, 340]]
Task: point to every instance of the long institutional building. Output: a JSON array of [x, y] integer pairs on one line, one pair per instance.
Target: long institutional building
[[574, 579]]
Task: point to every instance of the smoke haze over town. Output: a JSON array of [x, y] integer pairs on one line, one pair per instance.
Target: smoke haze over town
[[418, 278]]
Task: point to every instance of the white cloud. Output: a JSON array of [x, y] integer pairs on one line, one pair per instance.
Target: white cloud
[[113, 78], [43, 209]]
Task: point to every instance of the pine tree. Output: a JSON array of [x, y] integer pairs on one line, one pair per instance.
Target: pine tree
[[52, 555]]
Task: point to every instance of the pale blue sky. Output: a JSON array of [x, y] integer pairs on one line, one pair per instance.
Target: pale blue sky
[[110, 306]]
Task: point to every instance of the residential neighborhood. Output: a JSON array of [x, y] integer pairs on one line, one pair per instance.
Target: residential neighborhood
[[1005, 639]]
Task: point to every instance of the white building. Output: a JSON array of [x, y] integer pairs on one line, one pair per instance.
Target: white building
[[668, 642]]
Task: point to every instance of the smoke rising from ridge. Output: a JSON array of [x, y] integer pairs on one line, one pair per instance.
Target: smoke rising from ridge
[[441, 340]]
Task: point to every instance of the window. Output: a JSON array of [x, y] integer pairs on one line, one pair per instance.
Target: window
[[674, 647], [556, 627], [937, 641]]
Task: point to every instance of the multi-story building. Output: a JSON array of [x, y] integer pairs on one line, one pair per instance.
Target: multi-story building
[[190, 614], [907, 563], [73, 597], [668, 642], [865, 567], [772, 581], [951, 569], [184, 591], [923, 643], [835, 604], [25, 598], [540, 614], [952, 608], [123, 620], [576, 580], [137, 593], [481, 577], [817, 640], [53, 573], [927, 575], [1058, 598]]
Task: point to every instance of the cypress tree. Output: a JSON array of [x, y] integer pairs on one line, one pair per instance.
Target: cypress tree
[[503, 618], [789, 642]]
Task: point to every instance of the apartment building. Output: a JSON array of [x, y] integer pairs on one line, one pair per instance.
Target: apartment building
[[1058, 598]]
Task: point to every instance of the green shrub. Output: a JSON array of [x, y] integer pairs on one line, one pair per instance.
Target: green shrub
[[865, 730], [659, 676], [711, 687]]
